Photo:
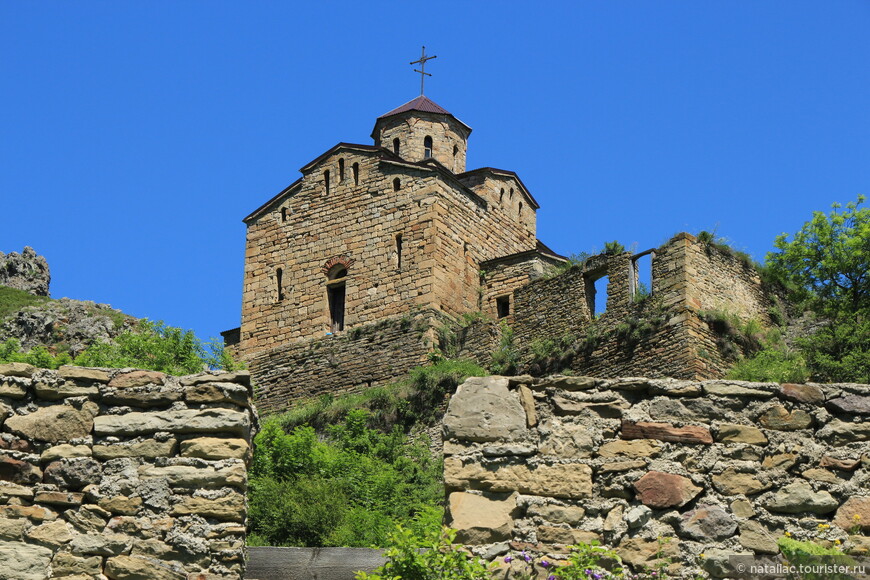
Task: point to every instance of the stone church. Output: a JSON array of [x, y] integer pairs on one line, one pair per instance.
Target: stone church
[[375, 231], [359, 270]]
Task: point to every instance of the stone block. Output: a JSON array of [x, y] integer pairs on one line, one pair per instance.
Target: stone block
[[66, 564], [25, 561], [565, 536], [148, 449], [55, 423], [707, 523], [483, 409], [632, 448], [557, 514], [65, 451], [850, 404], [854, 514], [798, 497], [17, 369], [660, 490], [730, 433], [215, 448], [210, 420], [227, 508], [53, 534], [140, 568], [197, 477], [482, 519], [567, 441], [83, 374], [802, 393], [780, 419], [839, 432], [732, 482], [126, 380], [563, 480], [666, 432]]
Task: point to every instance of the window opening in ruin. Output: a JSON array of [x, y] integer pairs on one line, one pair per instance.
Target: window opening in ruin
[[455, 150], [340, 170], [640, 275], [521, 210], [427, 147], [355, 168], [326, 181], [279, 283], [503, 306], [283, 214], [335, 296], [501, 195], [397, 185], [396, 145], [398, 251], [512, 193], [596, 292]]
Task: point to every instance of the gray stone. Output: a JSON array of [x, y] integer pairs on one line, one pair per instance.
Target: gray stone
[[17, 369], [740, 389], [100, 544], [73, 473], [799, 497], [557, 514], [569, 441], [213, 420], [483, 409], [24, 561], [637, 517], [83, 374], [571, 383], [717, 563], [55, 423], [140, 568], [65, 451], [855, 404], [708, 523], [482, 519], [839, 432], [58, 391], [730, 433], [197, 477], [757, 538]]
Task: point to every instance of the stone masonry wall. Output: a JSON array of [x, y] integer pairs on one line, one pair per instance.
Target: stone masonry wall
[[123, 474], [657, 468], [363, 357]]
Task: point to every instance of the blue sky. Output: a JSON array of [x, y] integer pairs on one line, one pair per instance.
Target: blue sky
[[135, 136]]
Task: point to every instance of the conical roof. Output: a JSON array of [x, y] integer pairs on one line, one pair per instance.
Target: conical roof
[[423, 104]]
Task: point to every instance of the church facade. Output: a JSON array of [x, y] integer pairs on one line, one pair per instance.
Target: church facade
[[371, 232]]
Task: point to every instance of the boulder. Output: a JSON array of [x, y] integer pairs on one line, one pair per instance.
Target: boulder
[[663, 490], [482, 519], [483, 409]]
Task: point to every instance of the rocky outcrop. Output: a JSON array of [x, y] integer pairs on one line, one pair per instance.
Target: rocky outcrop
[[25, 271], [125, 474]]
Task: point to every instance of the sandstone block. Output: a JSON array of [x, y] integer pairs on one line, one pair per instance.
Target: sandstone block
[[822, 475], [674, 388], [483, 409], [718, 563], [147, 396], [634, 448], [781, 419], [568, 441], [228, 508], [88, 519], [103, 544], [839, 432], [17, 369], [666, 432], [140, 568], [622, 466], [218, 393], [730, 433], [779, 461], [663, 490], [55, 423], [840, 464], [12, 389], [854, 514], [739, 389], [742, 508], [17, 471], [482, 519], [34, 513], [567, 480], [136, 379], [57, 391], [83, 374], [642, 553], [527, 400], [754, 536], [637, 517], [799, 497], [213, 420], [65, 564], [53, 534], [149, 448], [567, 383], [61, 499], [65, 451], [215, 448], [242, 377], [802, 393], [121, 504], [732, 482], [197, 477], [565, 536], [24, 561], [10, 490], [708, 523], [557, 514]]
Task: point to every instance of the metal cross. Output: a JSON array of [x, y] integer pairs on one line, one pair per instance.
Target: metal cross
[[422, 71]]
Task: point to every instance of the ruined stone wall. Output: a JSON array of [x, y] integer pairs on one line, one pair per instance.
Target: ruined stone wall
[[365, 356], [123, 474], [25, 271], [657, 468]]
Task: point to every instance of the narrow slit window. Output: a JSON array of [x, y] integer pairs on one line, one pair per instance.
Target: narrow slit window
[[521, 210], [326, 181], [399, 251], [501, 195], [336, 292], [279, 284], [283, 214], [397, 185], [427, 147], [503, 306], [340, 170], [396, 145], [355, 168]]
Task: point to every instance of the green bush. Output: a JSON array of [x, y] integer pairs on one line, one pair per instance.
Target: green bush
[[38, 356], [809, 554], [13, 300], [771, 364], [348, 487], [505, 358]]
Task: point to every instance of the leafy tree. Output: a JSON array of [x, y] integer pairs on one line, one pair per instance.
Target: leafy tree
[[828, 260]]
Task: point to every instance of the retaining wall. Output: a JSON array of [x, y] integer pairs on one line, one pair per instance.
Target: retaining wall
[[658, 469], [123, 474]]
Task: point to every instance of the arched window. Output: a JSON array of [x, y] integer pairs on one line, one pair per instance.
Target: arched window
[[340, 170], [427, 147], [326, 181], [279, 284], [335, 295], [355, 168], [501, 195], [397, 185], [398, 251], [396, 145], [512, 193]]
